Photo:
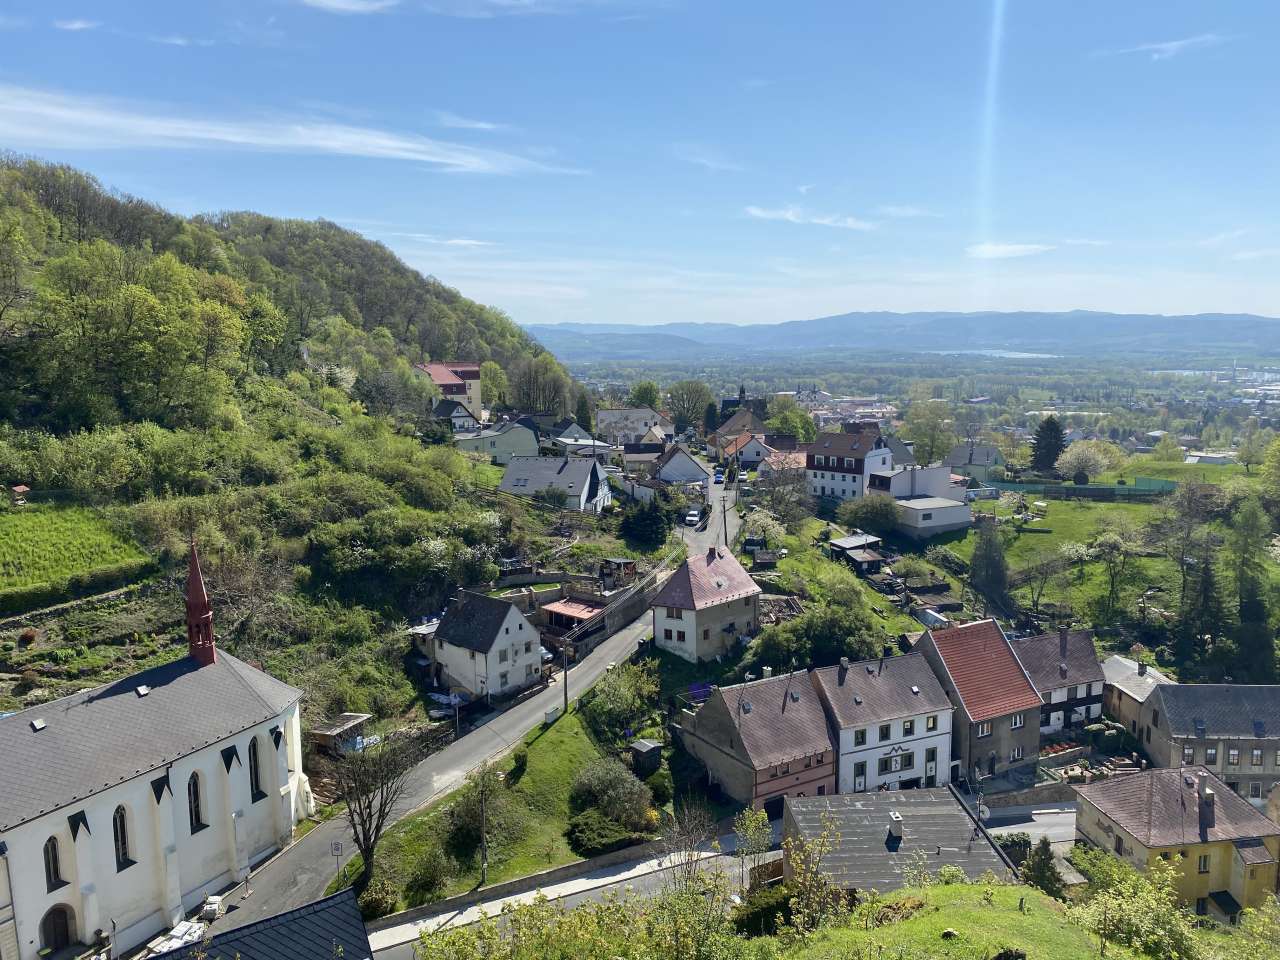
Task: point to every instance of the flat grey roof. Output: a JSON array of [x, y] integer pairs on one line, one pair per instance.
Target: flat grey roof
[[929, 503]]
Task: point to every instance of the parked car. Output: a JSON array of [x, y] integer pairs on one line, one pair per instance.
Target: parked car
[[692, 518], [719, 477]]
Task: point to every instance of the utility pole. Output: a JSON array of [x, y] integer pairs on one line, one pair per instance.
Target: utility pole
[[724, 514], [564, 672]]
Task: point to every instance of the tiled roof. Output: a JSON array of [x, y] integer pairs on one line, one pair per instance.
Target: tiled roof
[[737, 443], [1160, 807], [528, 475], [873, 690], [331, 927], [786, 460], [988, 678], [473, 620], [1122, 673], [100, 737], [1232, 710], [978, 454], [1042, 658], [779, 718], [708, 578], [845, 444]]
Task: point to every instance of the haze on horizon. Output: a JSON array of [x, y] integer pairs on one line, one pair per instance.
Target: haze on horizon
[[643, 161]]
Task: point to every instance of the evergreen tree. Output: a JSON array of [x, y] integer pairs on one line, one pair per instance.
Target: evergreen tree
[[583, 412], [1205, 614], [1047, 445], [1255, 641], [711, 418], [988, 570], [1040, 871]]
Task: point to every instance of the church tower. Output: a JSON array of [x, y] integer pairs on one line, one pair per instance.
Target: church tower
[[199, 614]]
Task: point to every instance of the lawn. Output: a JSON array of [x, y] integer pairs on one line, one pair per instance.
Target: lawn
[[42, 544], [556, 754], [486, 474], [1141, 466]]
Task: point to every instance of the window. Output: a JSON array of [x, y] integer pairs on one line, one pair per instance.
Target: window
[[680, 636], [255, 772], [746, 601], [931, 755], [194, 815], [886, 731], [822, 758], [1082, 691], [1210, 755], [1015, 754], [822, 789], [908, 761], [1255, 757], [1202, 865], [666, 634], [1255, 790], [908, 728], [502, 679], [120, 833], [926, 516], [528, 646], [860, 770], [528, 670], [808, 762], [889, 764], [860, 738], [1118, 845], [1233, 757], [931, 722], [502, 655], [1188, 755], [1202, 906], [1278, 758], [52, 868], [984, 728], [675, 613], [1018, 720]]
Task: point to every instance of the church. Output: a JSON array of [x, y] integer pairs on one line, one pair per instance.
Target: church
[[123, 806]]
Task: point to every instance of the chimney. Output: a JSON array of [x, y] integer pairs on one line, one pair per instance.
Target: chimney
[[767, 672], [1142, 669], [1206, 803], [895, 824], [1062, 643], [200, 645]]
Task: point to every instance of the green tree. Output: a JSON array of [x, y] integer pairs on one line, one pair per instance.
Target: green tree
[[988, 569], [1252, 450], [645, 394], [1040, 871], [687, 401], [1047, 445], [930, 424], [646, 525], [1167, 451], [876, 513], [710, 418], [819, 637], [794, 422], [754, 837], [583, 412], [493, 385]]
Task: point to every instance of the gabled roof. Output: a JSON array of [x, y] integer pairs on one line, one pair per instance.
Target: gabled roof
[[1160, 807], [988, 678], [1227, 710], [654, 435], [1042, 658], [1122, 673], [870, 691], [977, 454], [786, 460], [737, 443], [623, 414], [447, 408], [331, 927], [856, 445], [902, 455], [473, 620], [705, 580], [496, 431], [528, 475], [743, 420], [778, 719], [106, 735], [674, 451]]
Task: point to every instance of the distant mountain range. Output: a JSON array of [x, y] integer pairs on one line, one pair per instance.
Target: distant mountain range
[[1073, 332]]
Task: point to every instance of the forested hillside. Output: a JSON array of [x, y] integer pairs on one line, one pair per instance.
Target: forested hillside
[[248, 380]]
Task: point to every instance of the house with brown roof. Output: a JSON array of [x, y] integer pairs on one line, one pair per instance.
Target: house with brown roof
[[781, 461], [746, 450], [996, 732], [1065, 671], [1224, 851], [839, 464], [742, 421], [705, 606], [764, 740], [457, 380], [677, 465]]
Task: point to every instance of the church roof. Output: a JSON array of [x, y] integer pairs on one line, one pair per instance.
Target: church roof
[[62, 752]]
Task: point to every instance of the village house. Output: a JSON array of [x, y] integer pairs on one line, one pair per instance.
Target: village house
[[456, 414], [838, 464], [457, 380], [705, 606], [568, 429], [781, 462], [976, 460], [1232, 729], [996, 733], [903, 483], [892, 721], [630, 424], [1064, 669], [924, 517], [501, 442], [638, 459], [482, 646], [1223, 850], [746, 450], [762, 741], [740, 422], [582, 480], [677, 466], [1127, 685], [123, 806]]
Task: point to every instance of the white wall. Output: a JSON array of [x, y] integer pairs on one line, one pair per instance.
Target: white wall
[[919, 742], [682, 468], [481, 673], [939, 519], [743, 613]]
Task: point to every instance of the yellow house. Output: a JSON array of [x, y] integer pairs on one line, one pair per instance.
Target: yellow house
[[1225, 850]]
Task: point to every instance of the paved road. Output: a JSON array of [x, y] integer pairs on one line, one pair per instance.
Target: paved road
[[1056, 821], [300, 874]]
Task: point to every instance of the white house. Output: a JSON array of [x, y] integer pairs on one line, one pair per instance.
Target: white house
[[1065, 671], [677, 465], [706, 605], [912, 481], [500, 443], [924, 517], [893, 721], [483, 646], [839, 464], [122, 806], [456, 413], [581, 479], [569, 429], [748, 450], [630, 424]]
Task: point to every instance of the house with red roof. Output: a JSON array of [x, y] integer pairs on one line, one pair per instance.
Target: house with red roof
[[457, 380], [996, 731], [706, 605]]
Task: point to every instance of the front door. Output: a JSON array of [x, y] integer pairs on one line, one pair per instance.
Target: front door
[[55, 929]]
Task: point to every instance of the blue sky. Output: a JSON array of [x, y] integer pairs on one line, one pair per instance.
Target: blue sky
[[649, 160]]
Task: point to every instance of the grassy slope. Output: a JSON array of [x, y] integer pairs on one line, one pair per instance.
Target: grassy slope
[[43, 543]]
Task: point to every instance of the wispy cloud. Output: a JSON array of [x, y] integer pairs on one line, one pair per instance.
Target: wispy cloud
[[804, 188], [1265, 253], [76, 25], [489, 9], [797, 215], [1085, 242], [40, 119], [441, 241], [1005, 251], [902, 211], [351, 6], [455, 122], [1167, 49], [706, 157], [1222, 239]]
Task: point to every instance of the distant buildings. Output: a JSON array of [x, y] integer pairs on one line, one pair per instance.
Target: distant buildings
[[631, 424], [976, 460]]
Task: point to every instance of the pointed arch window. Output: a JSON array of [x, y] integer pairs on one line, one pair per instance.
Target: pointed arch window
[[120, 834], [52, 865], [256, 792], [194, 811]]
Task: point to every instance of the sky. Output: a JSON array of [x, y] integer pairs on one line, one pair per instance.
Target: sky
[[643, 161]]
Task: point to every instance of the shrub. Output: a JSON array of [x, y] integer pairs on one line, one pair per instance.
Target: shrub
[[912, 568], [948, 560], [608, 786], [379, 898], [875, 513], [519, 760], [661, 786], [591, 834], [504, 820], [949, 873], [764, 911], [430, 874], [1016, 846], [1080, 478], [622, 699]]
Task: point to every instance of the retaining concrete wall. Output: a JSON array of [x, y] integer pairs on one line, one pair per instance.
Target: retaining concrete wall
[[1049, 793]]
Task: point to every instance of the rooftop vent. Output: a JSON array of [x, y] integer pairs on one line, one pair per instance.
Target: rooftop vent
[[746, 706], [844, 663], [915, 690], [795, 696], [1199, 724], [37, 725], [142, 689]]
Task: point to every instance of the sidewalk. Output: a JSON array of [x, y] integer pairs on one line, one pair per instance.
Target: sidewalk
[[609, 876]]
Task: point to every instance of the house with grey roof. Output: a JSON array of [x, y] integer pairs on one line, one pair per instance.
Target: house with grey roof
[[581, 480], [456, 414], [483, 646], [1125, 688], [1064, 669], [123, 805], [501, 442], [630, 424], [976, 460]]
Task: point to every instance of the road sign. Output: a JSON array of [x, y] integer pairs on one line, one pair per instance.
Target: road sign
[[335, 848]]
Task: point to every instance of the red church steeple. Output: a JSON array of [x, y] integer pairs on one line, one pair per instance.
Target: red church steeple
[[200, 644]]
